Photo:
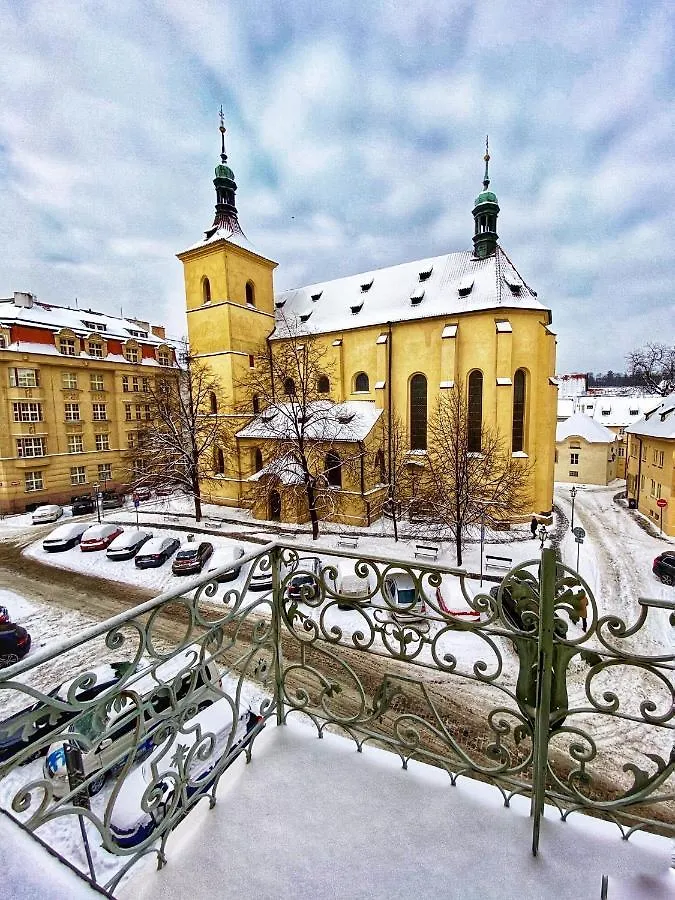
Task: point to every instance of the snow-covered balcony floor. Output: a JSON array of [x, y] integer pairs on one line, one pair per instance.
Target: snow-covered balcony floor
[[315, 819]]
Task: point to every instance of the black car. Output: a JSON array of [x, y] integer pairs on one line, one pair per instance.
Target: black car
[[307, 580], [83, 505], [142, 493], [112, 500], [12, 729], [156, 552], [664, 567], [14, 643], [190, 558]]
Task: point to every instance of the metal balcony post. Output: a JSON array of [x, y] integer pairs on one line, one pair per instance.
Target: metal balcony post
[[543, 696], [277, 600]]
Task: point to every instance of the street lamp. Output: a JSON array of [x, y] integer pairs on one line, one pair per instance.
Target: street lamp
[[97, 487], [573, 494], [542, 536]]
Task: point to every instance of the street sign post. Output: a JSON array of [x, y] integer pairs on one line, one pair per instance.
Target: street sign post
[[579, 535], [137, 503], [662, 503]]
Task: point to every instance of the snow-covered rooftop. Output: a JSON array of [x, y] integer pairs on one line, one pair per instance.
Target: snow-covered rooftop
[[659, 423], [82, 321], [352, 420], [287, 469], [238, 238], [580, 425], [565, 407], [622, 411], [440, 286]]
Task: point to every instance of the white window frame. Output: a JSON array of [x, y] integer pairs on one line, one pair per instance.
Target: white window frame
[[105, 471], [27, 412], [78, 475], [74, 439], [69, 381], [67, 346], [72, 412], [95, 349], [102, 441], [26, 447], [34, 481], [96, 382], [24, 378], [97, 409]]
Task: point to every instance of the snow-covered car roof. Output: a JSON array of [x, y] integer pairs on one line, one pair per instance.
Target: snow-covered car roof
[[67, 530], [99, 531], [128, 539], [48, 507], [154, 545]]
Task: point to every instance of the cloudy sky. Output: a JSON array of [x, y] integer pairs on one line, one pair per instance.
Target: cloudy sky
[[356, 130]]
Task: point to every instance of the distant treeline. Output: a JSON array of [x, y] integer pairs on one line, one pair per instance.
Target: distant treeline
[[611, 379]]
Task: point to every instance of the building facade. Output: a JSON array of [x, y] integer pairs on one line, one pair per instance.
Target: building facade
[[75, 387], [586, 452], [396, 338], [650, 482]]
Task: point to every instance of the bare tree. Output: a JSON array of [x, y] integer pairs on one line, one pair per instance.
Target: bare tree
[[654, 367], [399, 470], [471, 477], [308, 441], [178, 440]]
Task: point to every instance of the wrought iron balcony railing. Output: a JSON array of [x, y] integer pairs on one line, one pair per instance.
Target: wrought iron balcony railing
[[155, 704]]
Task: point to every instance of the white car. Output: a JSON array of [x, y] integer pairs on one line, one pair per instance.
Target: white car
[[64, 537], [227, 556], [50, 512], [402, 596], [104, 740], [127, 544], [354, 590], [130, 824]]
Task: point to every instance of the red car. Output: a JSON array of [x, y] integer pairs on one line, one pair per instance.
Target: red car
[[4, 614], [98, 537]]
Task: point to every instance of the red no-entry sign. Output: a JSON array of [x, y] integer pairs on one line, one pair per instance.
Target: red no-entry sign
[[661, 502]]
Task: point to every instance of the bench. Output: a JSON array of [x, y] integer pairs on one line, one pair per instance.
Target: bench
[[213, 524], [346, 540], [426, 551], [498, 562]]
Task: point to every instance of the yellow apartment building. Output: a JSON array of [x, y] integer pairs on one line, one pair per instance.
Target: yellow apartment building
[[586, 452], [72, 397], [651, 465], [394, 338]]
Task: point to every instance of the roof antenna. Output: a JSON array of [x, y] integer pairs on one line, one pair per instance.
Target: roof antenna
[[77, 306]]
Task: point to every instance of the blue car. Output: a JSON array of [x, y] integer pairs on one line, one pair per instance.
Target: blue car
[[130, 824]]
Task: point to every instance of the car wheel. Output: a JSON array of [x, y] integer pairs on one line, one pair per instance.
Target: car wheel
[[8, 659], [667, 579], [95, 786]]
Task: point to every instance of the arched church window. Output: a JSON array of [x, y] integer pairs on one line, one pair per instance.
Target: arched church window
[[475, 412], [323, 384], [206, 290], [250, 293], [361, 382], [518, 432], [257, 459], [256, 404], [418, 412], [289, 387], [218, 461], [213, 402]]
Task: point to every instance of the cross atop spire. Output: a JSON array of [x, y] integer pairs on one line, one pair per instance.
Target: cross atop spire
[[222, 129], [486, 177]]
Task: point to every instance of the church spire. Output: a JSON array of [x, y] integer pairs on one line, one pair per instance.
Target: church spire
[[485, 212], [226, 218]]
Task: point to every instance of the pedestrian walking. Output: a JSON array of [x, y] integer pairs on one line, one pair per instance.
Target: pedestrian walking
[[533, 527], [582, 601]]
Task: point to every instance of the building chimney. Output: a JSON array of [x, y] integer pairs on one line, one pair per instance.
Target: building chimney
[[24, 298], [159, 331]]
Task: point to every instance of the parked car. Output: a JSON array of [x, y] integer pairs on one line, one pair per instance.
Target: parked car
[[191, 557], [165, 490], [112, 500], [65, 537], [261, 580], [354, 591], [229, 555], [664, 567], [98, 537], [105, 740], [402, 595], [127, 544], [142, 493], [305, 583], [50, 512], [14, 736], [14, 643], [82, 505], [156, 552], [130, 824]]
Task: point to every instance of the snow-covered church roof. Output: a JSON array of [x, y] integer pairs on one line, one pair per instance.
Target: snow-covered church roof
[[581, 425], [352, 420], [659, 423], [445, 285]]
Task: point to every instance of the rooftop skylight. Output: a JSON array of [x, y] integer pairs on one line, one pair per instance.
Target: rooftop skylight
[[426, 273], [417, 296], [315, 297], [366, 285], [279, 303], [345, 417], [465, 285], [356, 308], [305, 316]]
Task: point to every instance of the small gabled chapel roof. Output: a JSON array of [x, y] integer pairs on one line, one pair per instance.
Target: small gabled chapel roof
[[581, 425], [352, 421]]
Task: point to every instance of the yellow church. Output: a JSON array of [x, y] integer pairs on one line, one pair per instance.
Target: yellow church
[[390, 342]]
